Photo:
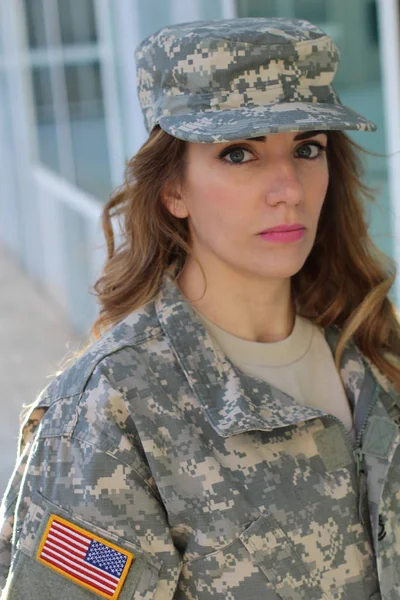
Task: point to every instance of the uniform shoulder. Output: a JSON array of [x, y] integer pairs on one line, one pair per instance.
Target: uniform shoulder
[[138, 327], [67, 386], [381, 378]]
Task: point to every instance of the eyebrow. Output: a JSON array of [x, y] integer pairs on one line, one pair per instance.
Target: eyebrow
[[300, 136]]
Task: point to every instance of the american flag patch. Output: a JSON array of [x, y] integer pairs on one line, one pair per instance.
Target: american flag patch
[[82, 556]]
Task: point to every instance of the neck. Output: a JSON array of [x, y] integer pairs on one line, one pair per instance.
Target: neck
[[259, 310]]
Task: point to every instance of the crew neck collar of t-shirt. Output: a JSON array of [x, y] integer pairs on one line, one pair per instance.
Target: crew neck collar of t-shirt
[[268, 354]]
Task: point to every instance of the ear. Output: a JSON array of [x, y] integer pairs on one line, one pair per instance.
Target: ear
[[173, 198]]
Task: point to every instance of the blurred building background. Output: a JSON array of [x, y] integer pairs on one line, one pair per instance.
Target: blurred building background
[[70, 118]]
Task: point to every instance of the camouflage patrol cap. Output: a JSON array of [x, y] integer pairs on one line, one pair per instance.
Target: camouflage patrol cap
[[215, 81]]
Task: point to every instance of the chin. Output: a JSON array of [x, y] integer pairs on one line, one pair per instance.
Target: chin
[[278, 271]]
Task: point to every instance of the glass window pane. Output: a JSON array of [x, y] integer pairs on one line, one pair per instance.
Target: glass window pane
[[77, 21], [90, 150], [82, 142], [84, 90], [88, 130], [311, 10], [45, 118], [34, 18], [256, 8]]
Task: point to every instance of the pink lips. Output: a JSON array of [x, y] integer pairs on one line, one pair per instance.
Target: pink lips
[[283, 236], [284, 227]]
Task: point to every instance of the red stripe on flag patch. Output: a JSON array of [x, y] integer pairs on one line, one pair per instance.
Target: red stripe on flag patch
[[85, 558]]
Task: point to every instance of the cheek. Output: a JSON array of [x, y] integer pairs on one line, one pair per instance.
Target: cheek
[[316, 185], [212, 202]]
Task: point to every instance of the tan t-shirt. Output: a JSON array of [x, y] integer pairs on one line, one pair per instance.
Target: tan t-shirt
[[301, 365]]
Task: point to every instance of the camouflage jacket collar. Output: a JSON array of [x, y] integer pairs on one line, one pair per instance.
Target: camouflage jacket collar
[[234, 402]]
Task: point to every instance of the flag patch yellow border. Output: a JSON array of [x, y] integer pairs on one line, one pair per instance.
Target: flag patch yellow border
[[63, 565]]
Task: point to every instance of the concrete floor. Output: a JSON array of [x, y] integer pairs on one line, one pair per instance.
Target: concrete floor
[[34, 338]]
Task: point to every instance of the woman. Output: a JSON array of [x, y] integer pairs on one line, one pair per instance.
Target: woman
[[231, 431]]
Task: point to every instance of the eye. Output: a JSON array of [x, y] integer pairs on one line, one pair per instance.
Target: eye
[[237, 155], [311, 150]]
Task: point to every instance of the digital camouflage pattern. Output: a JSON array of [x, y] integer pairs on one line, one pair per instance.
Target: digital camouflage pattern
[[216, 81], [220, 484]]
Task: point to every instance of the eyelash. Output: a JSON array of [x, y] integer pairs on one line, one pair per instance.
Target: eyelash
[[227, 151]]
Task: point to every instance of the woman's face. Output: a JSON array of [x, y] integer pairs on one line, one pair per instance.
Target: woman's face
[[233, 191]]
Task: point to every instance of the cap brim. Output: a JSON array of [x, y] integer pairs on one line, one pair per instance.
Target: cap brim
[[226, 125]]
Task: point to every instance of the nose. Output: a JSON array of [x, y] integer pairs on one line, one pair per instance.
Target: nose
[[283, 184]]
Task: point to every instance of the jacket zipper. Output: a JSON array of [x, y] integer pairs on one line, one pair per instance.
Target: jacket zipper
[[357, 452], [359, 456], [361, 475], [370, 409]]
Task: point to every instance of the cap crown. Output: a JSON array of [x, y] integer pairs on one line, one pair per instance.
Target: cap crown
[[209, 66]]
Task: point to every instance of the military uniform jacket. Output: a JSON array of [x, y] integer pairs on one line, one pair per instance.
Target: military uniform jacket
[[214, 484]]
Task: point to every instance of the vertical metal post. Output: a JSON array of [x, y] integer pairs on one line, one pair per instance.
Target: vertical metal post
[[389, 41], [19, 91], [128, 36], [228, 9], [110, 91]]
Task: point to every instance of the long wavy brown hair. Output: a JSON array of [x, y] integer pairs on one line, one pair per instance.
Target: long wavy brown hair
[[344, 281]]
